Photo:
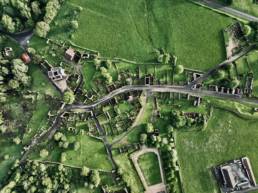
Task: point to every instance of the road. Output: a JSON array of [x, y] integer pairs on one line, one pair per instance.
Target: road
[[222, 64], [228, 10], [21, 38], [151, 88]]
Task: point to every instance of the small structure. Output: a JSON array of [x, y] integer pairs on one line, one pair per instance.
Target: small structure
[[236, 175], [249, 85], [58, 77], [148, 80], [8, 52], [70, 54], [25, 58], [56, 74]]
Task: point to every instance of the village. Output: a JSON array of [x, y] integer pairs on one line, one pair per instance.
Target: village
[[110, 124]]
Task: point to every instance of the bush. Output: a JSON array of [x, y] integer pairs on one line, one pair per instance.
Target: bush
[[179, 69], [43, 153], [69, 97]]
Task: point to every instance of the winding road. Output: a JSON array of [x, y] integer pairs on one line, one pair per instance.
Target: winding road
[[151, 88]]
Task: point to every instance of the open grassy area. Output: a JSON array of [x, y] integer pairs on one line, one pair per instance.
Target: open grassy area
[[226, 137], [129, 173], [149, 164], [91, 154], [88, 70], [252, 59], [42, 86], [133, 29], [8, 148]]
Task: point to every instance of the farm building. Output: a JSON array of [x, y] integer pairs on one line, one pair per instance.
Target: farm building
[[236, 175]]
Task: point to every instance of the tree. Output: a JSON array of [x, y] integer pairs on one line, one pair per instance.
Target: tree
[[85, 171], [58, 136], [179, 69], [43, 153], [76, 145], [51, 10], [150, 128], [220, 74], [63, 157], [13, 84], [74, 24], [106, 75], [143, 138], [8, 23], [69, 97], [234, 83], [42, 29], [35, 6], [95, 178], [166, 58], [17, 140]]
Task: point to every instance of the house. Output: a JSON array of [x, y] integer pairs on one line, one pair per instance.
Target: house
[[58, 77], [25, 58], [56, 74], [236, 175], [8, 52], [70, 54]]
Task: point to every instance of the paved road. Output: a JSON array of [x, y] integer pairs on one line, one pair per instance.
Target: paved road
[[222, 64], [21, 38], [151, 88], [228, 10]]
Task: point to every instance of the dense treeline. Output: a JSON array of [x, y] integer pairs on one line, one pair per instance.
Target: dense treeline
[[17, 15], [13, 75], [47, 178]]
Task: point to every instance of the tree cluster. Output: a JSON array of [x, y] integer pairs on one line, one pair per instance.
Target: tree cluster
[[51, 10], [38, 177], [61, 139], [223, 77], [91, 178], [13, 75], [69, 97], [18, 15], [179, 120]]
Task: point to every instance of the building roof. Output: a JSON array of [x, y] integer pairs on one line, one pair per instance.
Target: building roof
[[25, 58], [70, 54]]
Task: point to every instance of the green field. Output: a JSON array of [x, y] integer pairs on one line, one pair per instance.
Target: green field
[[226, 137], [42, 86], [91, 154], [149, 165], [8, 148], [133, 29], [129, 173]]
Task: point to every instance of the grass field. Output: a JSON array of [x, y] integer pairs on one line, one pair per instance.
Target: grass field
[[225, 138], [150, 167], [8, 148], [39, 118], [129, 173], [252, 59], [91, 154], [133, 29]]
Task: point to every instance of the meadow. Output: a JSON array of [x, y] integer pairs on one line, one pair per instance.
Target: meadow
[[225, 138], [133, 29], [150, 166], [91, 154]]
